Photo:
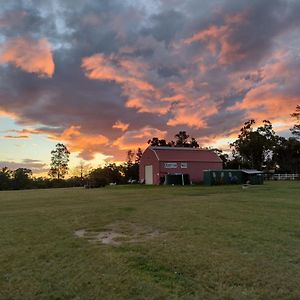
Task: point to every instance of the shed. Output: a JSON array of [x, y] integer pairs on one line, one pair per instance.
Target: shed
[[233, 176], [157, 162]]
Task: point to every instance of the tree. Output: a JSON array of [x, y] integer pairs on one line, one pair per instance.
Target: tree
[[81, 170], [131, 168], [254, 147], [138, 156], [296, 128], [97, 178], [181, 139], [21, 178], [5, 178], [194, 143], [287, 155], [59, 161], [156, 142]]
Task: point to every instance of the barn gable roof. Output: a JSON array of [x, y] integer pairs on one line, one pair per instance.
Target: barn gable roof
[[185, 154]]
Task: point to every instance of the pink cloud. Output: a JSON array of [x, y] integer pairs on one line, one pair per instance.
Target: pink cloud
[[120, 125], [218, 39], [32, 56], [138, 138]]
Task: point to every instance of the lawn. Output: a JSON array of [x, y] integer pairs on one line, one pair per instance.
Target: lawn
[[195, 242]]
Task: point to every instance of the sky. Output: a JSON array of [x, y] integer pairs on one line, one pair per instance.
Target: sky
[[105, 76]]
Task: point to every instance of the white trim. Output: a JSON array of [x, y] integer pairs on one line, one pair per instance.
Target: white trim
[[155, 153]]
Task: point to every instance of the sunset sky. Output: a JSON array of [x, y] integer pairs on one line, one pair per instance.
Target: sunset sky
[[105, 76]]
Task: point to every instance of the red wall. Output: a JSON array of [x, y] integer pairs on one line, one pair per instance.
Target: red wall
[[149, 158], [194, 169]]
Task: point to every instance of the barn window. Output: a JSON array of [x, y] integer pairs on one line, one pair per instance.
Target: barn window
[[183, 165], [171, 165]]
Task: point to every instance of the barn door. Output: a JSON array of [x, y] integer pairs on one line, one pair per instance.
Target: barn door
[[149, 174]]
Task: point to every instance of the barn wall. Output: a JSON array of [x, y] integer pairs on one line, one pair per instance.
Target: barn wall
[[149, 158], [194, 169]]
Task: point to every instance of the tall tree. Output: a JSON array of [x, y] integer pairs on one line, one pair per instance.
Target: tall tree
[[287, 155], [81, 170], [296, 128], [59, 161], [254, 147], [138, 156], [5, 178], [181, 139]]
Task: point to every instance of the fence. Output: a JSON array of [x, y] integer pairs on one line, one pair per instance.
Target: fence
[[285, 177]]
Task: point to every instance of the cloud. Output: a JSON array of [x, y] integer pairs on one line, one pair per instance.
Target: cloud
[[126, 71], [120, 125], [29, 55], [138, 138], [15, 137], [35, 165], [86, 144]]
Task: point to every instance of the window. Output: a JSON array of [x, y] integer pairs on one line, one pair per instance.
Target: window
[[171, 165], [183, 165]]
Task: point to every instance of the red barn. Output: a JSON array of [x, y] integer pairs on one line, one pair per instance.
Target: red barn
[[156, 162]]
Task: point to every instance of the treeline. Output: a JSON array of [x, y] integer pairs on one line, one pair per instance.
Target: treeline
[[263, 149], [23, 178]]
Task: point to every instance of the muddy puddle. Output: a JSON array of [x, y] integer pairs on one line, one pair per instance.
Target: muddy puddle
[[119, 233]]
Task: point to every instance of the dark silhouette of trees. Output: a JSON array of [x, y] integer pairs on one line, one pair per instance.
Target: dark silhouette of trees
[[181, 140], [156, 142], [21, 179], [254, 147], [138, 156], [296, 128], [287, 155], [59, 161], [5, 177]]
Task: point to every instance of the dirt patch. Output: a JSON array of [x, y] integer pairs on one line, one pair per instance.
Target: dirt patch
[[118, 233], [80, 233]]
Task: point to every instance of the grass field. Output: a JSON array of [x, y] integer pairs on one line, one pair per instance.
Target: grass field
[[175, 242]]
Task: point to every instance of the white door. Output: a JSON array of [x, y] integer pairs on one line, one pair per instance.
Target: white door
[[149, 174]]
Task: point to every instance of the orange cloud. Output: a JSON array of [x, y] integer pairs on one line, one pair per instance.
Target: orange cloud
[[4, 113], [218, 40], [146, 105], [121, 125], [33, 56], [266, 101], [87, 144], [138, 138], [15, 137], [193, 116], [131, 75], [113, 68]]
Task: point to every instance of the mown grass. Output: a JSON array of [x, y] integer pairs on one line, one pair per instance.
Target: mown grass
[[217, 243]]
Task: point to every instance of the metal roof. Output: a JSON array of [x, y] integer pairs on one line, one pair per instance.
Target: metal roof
[[185, 154], [251, 171]]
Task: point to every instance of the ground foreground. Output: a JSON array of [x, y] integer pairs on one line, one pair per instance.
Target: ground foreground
[[151, 243]]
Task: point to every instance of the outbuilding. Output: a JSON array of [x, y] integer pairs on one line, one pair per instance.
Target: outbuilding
[[158, 162], [240, 176]]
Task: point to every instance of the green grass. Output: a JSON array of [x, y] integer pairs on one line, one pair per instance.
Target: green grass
[[216, 243]]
